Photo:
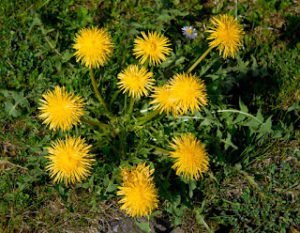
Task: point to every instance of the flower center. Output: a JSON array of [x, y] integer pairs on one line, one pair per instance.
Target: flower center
[[69, 161], [153, 46], [189, 31]]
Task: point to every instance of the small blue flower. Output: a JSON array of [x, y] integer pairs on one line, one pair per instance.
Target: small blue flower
[[189, 32]]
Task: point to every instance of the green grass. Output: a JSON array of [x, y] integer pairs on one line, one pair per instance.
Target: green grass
[[253, 183]]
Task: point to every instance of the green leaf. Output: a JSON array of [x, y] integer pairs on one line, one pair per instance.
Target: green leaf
[[243, 107], [67, 55], [239, 119], [14, 103], [228, 143], [111, 187], [265, 128], [259, 115], [144, 226]]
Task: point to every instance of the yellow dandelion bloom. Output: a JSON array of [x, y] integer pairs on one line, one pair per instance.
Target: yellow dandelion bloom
[[190, 157], [60, 109], [225, 34], [152, 48], [93, 47], [189, 92], [69, 160], [139, 195], [163, 100], [135, 81]]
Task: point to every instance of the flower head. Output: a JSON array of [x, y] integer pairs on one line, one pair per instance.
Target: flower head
[[189, 32], [93, 47], [60, 109], [183, 93], [189, 91], [152, 48], [190, 157], [69, 160], [139, 195], [163, 100], [225, 34], [136, 81]]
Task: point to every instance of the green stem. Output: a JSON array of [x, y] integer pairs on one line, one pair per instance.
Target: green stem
[[131, 104], [240, 112], [93, 122], [142, 120], [149, 228], [125, 104], [199, 60], [161, 150], [114, 97], [225, 110], [192, 185], [169, 174], [98, 95]]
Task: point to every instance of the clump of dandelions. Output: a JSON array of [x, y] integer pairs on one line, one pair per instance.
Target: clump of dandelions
[[136, 81], [60, 109], [189, 32], [182, 94], [138, 193], [152, 48], [69, 160], [93, 47], [190, 157], [226, 35]]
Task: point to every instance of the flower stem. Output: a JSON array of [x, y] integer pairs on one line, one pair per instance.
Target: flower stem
[[98, 95], [225, 110], [92, 122], [114, 97], [160, 150], [125, 104], [142, 120], [240, 112], [199, 60], [131, 104]]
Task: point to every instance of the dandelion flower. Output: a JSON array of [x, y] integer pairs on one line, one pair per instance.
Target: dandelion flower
[[93, 47], [183, 93], [189, 92], [69, 160], [60, 109], [163, 100], [189, 32], [139, 195], [152, 48], [190, 157], [225, 34], [135, 81]]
